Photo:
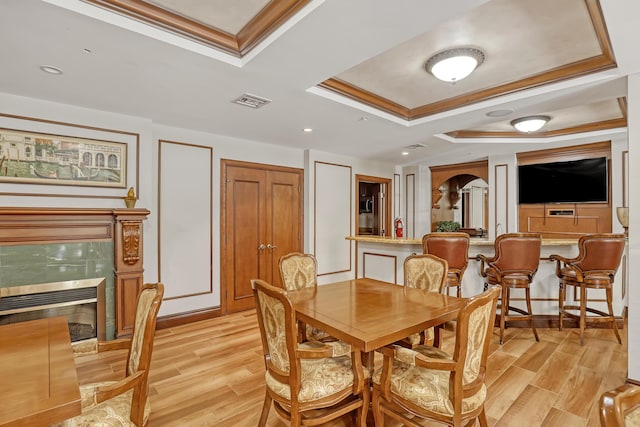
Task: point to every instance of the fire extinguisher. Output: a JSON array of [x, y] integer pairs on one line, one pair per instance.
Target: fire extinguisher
[[399, 227]]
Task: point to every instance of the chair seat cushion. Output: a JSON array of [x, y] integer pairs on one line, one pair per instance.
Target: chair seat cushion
[[315, 334], [512, 279], [319, 378], [114, 412], [427, 388], [432, 352], [414, 339], [632, 419], [593, 279]]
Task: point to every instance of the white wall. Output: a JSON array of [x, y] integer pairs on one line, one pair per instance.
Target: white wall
[[633, 98]]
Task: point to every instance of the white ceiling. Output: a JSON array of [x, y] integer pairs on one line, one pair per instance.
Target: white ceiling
[[179, 83]]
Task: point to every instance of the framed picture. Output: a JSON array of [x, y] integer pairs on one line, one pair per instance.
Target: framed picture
[[40, 157]]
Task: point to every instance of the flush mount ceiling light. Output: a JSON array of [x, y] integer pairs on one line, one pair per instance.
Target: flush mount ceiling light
[[530, 123], [455, 64]]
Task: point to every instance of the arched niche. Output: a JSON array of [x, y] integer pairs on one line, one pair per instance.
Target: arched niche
[[446, 184]]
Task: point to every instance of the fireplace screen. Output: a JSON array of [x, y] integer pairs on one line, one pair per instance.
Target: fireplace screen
[[80, 301]]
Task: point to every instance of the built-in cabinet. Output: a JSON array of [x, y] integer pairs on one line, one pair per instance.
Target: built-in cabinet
[[566, 220]]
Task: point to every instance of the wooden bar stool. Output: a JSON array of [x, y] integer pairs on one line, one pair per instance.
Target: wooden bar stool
[[452, 247], [516, 260], [595, 266]]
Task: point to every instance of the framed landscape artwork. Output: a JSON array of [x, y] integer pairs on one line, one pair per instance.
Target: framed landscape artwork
[[40, 158]]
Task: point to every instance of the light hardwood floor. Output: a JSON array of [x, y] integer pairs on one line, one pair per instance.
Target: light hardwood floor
[[211, 373]]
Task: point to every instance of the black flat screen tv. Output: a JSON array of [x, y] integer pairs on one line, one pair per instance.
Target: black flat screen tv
[[578, 181]]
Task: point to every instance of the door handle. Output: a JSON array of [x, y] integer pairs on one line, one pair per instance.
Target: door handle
[[262, 247], [270, 246]]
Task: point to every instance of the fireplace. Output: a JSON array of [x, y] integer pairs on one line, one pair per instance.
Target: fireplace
[[82, 302], [64, 245]]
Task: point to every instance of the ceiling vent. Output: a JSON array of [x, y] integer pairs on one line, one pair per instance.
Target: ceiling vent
[[252, 101], [414, 146]]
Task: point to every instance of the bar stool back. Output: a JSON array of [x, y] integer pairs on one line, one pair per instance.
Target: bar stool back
[[452, 247], [516, 260], [595, 266]]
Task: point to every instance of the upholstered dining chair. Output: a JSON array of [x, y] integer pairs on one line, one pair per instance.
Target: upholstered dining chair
[[598, 259], [426, 382], [513, 266], [429, 273], [308, 383], [298, 271], [125, 402], [454, 248], [620, 407]]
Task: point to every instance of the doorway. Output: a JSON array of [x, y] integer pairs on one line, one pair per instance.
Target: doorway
[[373, 206], [261, 220]]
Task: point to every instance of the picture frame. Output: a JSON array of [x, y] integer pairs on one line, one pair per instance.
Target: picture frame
[[40, 157]]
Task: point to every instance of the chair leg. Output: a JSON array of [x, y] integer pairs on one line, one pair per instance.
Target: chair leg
[[364, 409], [504, 310], [561, 296], [266, 406], [378, 416], [583, 312], [533, 326], [482, 418], [613, 319]]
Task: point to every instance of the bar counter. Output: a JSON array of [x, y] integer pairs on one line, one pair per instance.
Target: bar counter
[[382, 258]]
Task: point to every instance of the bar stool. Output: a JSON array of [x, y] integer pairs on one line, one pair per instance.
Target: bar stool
[[452, 247], [516, 260], [595, 266]]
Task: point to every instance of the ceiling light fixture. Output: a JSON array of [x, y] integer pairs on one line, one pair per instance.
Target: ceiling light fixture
[[530, 123], [51, 69], [307, 130], [454, 64]]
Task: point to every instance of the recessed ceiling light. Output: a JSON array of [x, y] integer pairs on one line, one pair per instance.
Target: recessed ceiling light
[[86, 50], [307, 130], [405, 153], [51, 69], [499, 113]]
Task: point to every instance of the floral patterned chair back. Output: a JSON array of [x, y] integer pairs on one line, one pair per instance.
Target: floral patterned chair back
[[298, 271]]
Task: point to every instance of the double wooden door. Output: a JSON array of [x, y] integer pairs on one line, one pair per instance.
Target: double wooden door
[[261, 221]]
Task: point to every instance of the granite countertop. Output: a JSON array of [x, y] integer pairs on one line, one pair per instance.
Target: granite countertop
[[474, 241]]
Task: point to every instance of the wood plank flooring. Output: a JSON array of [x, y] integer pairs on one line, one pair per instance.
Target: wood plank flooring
[[211, 373]]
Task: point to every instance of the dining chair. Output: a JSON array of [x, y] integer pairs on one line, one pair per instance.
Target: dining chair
[[595, 267], [513, 266], [429, 273], [620, 407], [308, 383], [125, 402], [454, 248], [432, 384], [299, 271]]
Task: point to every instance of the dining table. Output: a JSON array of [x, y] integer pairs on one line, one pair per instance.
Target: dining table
[[370, 314], [38, 380]]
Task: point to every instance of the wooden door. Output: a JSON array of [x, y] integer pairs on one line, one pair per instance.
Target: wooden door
[[262, 220]]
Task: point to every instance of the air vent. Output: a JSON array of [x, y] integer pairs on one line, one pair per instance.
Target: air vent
[[252, 101], [414, 146]]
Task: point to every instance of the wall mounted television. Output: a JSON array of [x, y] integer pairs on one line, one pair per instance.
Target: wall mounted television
[[577, 181]]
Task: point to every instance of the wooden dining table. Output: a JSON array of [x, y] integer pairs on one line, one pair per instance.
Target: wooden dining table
[[370, 314], [38, 380]]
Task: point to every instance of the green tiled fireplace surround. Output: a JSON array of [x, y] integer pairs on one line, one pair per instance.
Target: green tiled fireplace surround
[[44, 263]]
